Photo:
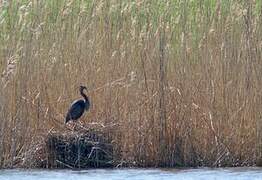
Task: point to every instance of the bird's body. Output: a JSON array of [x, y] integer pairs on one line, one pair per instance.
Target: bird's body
[[78, 107]]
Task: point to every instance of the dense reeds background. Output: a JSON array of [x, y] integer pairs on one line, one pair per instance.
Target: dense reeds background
[[179, 82]]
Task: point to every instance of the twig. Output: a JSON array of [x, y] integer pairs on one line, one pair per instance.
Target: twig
[[67, 165]]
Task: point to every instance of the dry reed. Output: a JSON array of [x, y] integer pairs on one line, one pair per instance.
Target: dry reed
[[180, 81]]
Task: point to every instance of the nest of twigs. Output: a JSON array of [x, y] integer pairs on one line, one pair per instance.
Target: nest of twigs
[[84, 148]]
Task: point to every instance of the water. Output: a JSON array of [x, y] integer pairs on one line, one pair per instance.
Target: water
[[134, 174]]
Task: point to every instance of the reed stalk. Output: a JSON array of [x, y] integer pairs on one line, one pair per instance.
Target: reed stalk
[[180, 81]]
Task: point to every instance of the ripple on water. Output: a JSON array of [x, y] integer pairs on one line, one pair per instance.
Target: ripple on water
[[135, 174]]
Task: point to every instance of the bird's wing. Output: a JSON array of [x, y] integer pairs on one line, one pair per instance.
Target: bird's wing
[[76, 110]]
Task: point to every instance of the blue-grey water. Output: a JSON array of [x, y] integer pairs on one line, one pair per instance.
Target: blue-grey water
[[134, 174]]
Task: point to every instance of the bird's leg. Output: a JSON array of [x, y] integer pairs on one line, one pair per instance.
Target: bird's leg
[[74, 126]]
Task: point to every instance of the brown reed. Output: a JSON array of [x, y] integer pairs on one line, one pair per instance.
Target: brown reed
[[180, 81]]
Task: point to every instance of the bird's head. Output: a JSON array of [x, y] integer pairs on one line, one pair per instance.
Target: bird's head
[[82, 88]]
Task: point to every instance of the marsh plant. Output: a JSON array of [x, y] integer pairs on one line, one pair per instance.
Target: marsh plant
[[179, 82]]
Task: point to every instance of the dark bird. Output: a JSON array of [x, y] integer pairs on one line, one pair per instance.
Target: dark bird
[[78, 107]]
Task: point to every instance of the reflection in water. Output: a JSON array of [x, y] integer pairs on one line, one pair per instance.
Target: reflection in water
[[134, 174]]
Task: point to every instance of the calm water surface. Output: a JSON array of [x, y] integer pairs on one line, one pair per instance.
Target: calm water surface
[[134, 174]]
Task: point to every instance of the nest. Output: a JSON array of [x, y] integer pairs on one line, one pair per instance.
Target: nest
[[85, 148], [89, 149]]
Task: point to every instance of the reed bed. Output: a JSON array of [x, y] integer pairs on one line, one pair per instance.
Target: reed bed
[[179, 82]]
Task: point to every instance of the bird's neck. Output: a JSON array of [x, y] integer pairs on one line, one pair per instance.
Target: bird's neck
[[84, 96], [87, 103]]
